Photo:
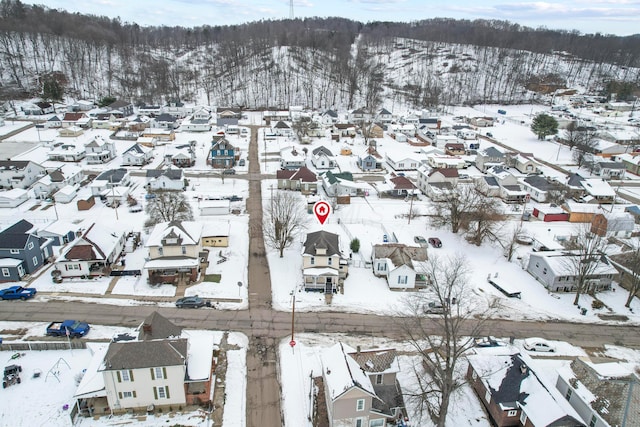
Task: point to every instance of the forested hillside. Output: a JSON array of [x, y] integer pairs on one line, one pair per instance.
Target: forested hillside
[[317, 63]]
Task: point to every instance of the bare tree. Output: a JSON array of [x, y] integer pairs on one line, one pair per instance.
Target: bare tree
[[302, 126], [285, 217], [456, 324], [585, 146], [167, 206], [466, 207], [587, 252], [484, 220], [512, 242]]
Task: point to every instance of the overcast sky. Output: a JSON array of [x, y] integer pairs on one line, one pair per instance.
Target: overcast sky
[[621, 17]]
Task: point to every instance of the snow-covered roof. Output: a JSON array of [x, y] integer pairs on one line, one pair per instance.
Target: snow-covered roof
[[92, 383], [320, 271], [598, 187], [199, 354], [561, 264], [10, 262], [342, 372], [162, 263], [189, 231]]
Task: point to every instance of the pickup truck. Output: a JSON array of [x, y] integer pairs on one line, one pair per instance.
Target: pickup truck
[[17, 292], [74, 328]]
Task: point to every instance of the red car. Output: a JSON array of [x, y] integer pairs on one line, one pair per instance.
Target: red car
[[435, 242]]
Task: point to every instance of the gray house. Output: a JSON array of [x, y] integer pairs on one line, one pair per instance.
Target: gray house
[[489, 157], [21, 251], [360, 387], [554, 270], [370, 160]]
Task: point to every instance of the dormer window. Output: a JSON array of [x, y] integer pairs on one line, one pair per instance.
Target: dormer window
[[171, 241]]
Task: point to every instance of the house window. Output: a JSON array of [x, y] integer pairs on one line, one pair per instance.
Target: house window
[[127, 394], [15, 251], [30, 245], [523, 418], [329, 261], [379, 379], [376, 423], [360, 405], [512, 413], [35, 260], [359, 423], [487, 396], [592, 423], [161, 392], [568, 393], [382, 267], [544, 271], [125, 375], [313, 260], [5, 272], [184, 250], [402, 280], [160, 251], [158, 373]]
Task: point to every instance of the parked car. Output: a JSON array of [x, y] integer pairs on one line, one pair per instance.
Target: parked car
[[17, 292], [241, 162], [487, 342], [434, 307], [192, 302], [489, 134], [230, 171], [435, 242], [385, 238], [149, 196], [420, 240], [538, 344]]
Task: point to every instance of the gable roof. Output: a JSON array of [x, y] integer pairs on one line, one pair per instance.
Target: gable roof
[[538, 182], [145, 354], [491, 152], [446, 172], [155, 326], [282, 125], [376, 361], [112, 175], [342, 372], [119, 104], [171, 173], [322, 150], [188, 231], [165, 117], [402, 183], [137, 149], [96, 243], [334, 178], [16, 236], [322, 239], [304, 174], [400, 254]]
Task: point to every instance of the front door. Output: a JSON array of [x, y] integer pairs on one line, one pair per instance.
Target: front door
[[328, 287]]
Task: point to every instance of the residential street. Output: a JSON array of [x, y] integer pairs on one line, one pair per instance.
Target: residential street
[[266, 327]]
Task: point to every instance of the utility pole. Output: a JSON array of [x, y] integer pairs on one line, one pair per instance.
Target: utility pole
[[290, 9], [410, 208]]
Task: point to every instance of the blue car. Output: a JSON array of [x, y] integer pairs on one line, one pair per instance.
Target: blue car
[[17, 292]]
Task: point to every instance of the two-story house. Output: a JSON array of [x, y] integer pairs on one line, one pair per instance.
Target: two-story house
[[324, 267], [556, 271], [125, 107], [110, 180], [350, 393], [92, 254], [100, 150], [369, 160], [22, 252], [489, 157], [222, 154], [19, 173], [162, 367], [174, 252]]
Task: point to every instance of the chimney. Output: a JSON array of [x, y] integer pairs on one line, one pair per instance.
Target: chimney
[[146, 328], [358, 349]]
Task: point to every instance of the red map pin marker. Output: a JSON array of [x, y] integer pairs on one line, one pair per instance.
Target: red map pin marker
[[322, 211]]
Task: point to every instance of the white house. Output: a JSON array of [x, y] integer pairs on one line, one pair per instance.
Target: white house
[[91, 254], [19, 173], [171, 179], [290, 158], [100, 151], [137, 155], [402, 161], [65, 194], [323, 158], [400, 265], [67, 152], [110, 179]]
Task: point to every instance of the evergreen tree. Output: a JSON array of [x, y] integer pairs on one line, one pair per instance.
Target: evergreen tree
[[544, 125]]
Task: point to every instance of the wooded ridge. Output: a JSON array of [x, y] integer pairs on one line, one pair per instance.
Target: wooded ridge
[[315, 62]]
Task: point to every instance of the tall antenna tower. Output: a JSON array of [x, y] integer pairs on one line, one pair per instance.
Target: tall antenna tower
[[290, 9]]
